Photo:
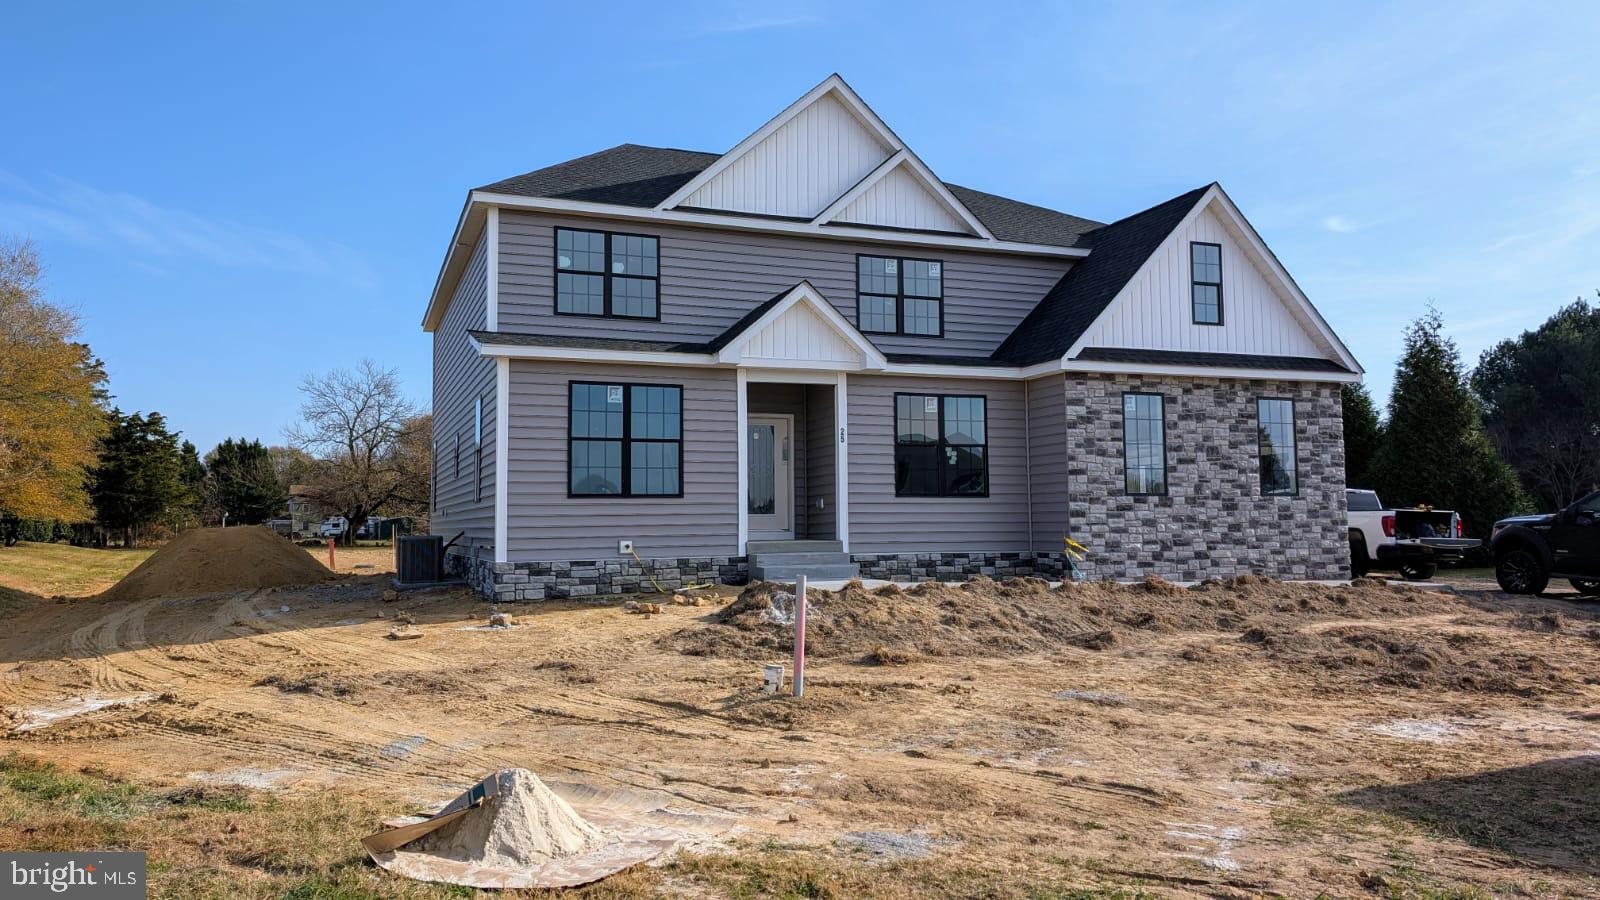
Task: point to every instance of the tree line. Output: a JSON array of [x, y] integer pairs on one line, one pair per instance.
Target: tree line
[[74, 466], [1519, 431]]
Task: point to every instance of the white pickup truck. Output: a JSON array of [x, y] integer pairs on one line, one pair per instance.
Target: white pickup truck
[[1413, 541]]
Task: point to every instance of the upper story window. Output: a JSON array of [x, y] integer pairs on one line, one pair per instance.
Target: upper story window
[[900, 296], [624, 440], [603, 274], [1275, 427], [1205, 282], [941, 446], [1144, 443]]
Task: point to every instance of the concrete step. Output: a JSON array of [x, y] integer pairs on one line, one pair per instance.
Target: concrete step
[[787, 573], [754, 547], [800, 559]]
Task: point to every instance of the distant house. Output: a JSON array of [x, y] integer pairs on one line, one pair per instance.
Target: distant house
[[809, 353], [304, 513]]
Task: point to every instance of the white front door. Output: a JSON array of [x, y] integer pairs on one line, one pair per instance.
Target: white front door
[[771, 477]]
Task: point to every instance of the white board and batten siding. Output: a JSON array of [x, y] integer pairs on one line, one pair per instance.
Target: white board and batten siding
[[543, 523], [880, 522], [798, 337], [462, 379], [798, 169], [900, 200], [1153, 311], [710, 279]]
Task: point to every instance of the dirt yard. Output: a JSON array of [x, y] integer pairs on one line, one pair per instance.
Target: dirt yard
[[1241, 739]]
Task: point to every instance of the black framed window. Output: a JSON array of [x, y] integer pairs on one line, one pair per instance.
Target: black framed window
[[1144, 443], [599, 273], [895, 295], [1275, 430], [941, 446], [624, 440], [1205, 282]]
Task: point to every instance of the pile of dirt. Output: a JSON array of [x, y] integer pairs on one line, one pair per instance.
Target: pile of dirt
[[984, 617], [1430, 660], [216, 561], [526, 825]]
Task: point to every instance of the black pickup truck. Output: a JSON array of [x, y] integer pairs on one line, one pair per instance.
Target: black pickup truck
[[1530, 550]]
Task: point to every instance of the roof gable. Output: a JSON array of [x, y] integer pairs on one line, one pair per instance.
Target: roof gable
[[828, 158], [798, 328]]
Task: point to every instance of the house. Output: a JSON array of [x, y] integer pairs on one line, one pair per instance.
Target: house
[[809, 353]]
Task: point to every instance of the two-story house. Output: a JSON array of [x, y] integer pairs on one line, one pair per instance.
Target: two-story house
[[809, 353]]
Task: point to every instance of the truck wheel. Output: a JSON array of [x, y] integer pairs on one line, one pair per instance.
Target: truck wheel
[[1418, 571], [1519, 572], [1589, 587], [1360, 563]]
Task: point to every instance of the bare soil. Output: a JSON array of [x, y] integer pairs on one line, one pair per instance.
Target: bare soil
[[217, 560], [1236, 739]]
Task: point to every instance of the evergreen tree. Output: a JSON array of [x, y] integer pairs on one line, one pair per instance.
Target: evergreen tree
[[1541, 396], [242, 483], [139, 481], [1361, 434], [1434, 450]]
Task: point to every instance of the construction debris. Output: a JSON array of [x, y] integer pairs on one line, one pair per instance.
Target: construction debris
[[405, 632], [500, 620], [508, 831]]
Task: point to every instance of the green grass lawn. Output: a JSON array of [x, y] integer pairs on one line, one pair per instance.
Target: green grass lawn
[[51, 570]]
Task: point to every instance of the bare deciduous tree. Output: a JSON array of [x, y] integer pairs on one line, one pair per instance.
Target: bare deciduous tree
[[355, 424]]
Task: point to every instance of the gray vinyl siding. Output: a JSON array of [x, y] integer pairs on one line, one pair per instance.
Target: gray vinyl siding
[[880, 522], [821, 460], [1047, 461], [788, 399], [545, 524], [460, 376], [710, 278]]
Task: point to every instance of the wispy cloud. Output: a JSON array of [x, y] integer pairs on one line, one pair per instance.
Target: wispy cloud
[[1341, 225], [742, 24], [129, 225]]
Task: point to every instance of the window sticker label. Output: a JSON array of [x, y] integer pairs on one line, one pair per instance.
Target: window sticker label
[[891, 266], [564, 262], [933, 270], [930, 404], [614, 394]]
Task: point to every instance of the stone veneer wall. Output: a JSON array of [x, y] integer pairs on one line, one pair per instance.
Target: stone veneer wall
[[958, 566], [1213, 521], [518, 581]]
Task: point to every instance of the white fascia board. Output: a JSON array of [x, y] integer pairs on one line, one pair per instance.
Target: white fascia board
[[771, 226], [833, 84], [807, 372], [871, 356], [459, 240], [582, 354], [491, 275], [1117, 368], [861, 187]]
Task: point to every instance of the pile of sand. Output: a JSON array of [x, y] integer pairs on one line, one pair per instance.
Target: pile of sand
[[218, 560], [525, 826], [986, 618]]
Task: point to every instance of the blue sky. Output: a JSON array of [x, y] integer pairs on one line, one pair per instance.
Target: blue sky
[[235, 195]]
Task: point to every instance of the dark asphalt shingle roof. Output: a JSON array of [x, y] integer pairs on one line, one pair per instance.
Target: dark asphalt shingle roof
[[1215, 360], [634, 175], [1116, 252]]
